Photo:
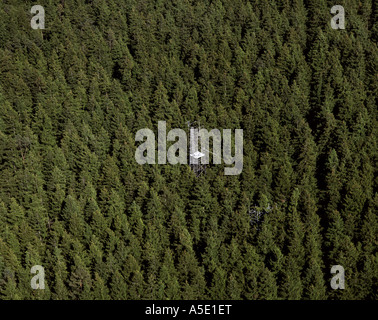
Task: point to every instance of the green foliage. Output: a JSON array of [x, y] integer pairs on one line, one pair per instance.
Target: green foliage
[[74, 200]]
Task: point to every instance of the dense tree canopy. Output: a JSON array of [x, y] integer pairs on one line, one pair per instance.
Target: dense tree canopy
[[74, 200]]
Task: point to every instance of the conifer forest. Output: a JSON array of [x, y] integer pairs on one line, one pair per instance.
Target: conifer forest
[[74, 200]]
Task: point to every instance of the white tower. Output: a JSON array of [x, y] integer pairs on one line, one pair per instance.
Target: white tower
[[194, 154]]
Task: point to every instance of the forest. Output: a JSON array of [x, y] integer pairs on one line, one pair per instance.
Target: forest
[[74, 200]]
